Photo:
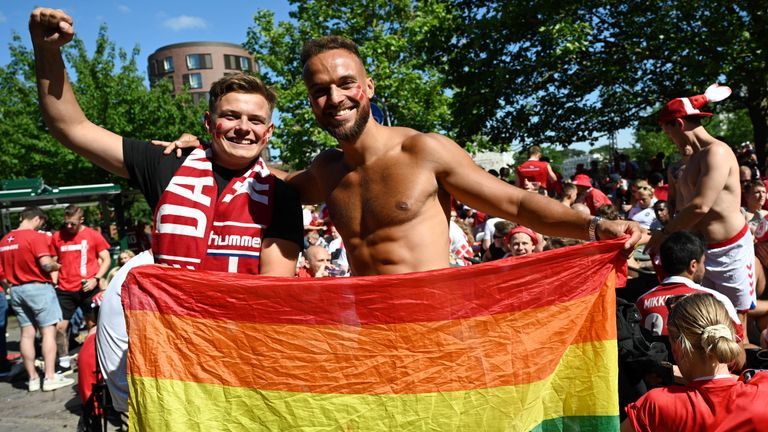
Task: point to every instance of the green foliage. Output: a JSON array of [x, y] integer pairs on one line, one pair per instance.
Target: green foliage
[[391, 37], [112, 94], [556, 155], [138, 209], [548, 72]]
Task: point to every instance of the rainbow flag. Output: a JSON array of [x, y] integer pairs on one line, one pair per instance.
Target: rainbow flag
[[515, 345]]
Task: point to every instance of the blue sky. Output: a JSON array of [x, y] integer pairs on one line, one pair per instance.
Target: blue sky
[[153, 24], [148, 24]]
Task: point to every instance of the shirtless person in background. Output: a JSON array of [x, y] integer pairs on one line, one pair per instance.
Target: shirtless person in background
[[709, 200], [388, 189]]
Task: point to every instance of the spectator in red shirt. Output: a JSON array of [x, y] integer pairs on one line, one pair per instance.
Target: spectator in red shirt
[[317, 262], [682, 257], [591, 197], [703, 343], [535, 171], [25, 255], [84, 257]]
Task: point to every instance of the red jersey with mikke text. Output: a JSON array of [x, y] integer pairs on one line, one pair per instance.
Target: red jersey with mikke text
[[534, 171], [653, 308], [19, 254], [78, 256], [718, 404]]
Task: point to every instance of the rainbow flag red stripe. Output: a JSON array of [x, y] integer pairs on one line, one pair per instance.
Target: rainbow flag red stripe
[[519, 344]]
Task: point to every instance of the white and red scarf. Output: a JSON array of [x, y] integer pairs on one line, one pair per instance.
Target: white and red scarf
[[194, 229]]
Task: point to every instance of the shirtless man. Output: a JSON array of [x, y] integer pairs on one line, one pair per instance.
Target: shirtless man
[[709, 202], [388, 189]]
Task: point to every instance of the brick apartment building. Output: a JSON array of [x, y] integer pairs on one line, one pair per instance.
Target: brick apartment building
[[197, 65]]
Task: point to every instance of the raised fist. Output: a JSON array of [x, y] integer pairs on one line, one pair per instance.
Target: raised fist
[[50, 27]]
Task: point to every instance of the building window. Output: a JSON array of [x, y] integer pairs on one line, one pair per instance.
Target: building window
[[152, 68], [168, 64], [245, 64], [237, 62], [193, 80], [197, 97], [199, 61]]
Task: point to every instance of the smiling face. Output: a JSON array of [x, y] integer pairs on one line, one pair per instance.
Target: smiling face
[[339, 93], [521, 244], [240, 128]]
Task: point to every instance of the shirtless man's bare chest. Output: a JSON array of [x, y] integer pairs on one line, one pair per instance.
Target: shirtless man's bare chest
[[386, 209]]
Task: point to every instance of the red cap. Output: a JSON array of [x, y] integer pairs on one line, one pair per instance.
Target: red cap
[[582, 180], [522, 229], [685, 107]]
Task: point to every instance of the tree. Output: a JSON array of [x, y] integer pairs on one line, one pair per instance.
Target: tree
[[555, 72], [391, 36], [111, 92]]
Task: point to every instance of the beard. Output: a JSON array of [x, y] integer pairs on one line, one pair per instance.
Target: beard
[[353, 131]]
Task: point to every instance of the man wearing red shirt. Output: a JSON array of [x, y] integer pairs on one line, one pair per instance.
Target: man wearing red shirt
[[25, 255], [682, 257], [317, 262], [535, 171], [5, 366], [591, 197], [84, 257]]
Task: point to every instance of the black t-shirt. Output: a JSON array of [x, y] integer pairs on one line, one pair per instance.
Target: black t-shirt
[[151, 171]]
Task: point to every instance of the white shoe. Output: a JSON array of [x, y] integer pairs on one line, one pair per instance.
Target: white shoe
[[33, 384], [56, 382], [64, 362]]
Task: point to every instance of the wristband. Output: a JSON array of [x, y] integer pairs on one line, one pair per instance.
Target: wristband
[[593, 228]]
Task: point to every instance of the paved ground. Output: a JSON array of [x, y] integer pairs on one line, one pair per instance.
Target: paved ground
[[23, 411]]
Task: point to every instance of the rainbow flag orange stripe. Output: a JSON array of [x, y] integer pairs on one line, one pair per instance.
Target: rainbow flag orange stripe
[[519, 344]]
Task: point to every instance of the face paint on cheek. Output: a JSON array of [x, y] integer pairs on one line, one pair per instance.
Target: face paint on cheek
[[218, 133], [358, 94]]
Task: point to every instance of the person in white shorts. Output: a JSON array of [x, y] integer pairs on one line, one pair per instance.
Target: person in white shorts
[[730, 268], [709, 200]]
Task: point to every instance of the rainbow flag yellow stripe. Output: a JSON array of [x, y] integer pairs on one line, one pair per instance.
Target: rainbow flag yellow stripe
[[522, 344]]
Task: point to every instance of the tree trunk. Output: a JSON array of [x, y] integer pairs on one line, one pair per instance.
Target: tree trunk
[[757, 105]]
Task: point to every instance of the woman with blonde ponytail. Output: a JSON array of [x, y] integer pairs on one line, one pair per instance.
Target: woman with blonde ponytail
[[703, 343]]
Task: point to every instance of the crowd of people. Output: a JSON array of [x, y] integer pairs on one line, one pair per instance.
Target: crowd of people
[[53, 275], [388, 200]]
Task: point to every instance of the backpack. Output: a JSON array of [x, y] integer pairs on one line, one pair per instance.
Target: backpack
[[635, 351], [637, 356]]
